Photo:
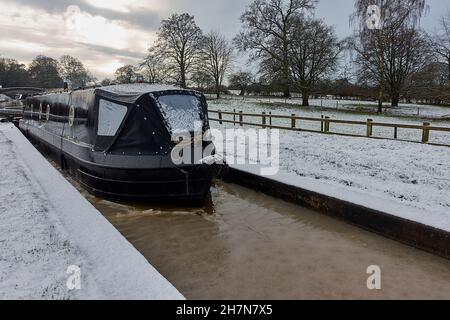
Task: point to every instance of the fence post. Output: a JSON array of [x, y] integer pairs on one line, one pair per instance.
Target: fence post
[[220, 117], [241, 119], [369, 127], [234, 117], [270, 118], [395, 132], [426, 132], [293, 122], [326, 128], [264, 120], [321, 123]]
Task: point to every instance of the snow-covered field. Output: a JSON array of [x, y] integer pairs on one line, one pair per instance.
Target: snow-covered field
[[404, 109], [405, 179], [277, 107], [47, 226]]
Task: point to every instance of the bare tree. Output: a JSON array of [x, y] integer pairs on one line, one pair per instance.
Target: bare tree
[[405, 56], [126, 74], [441, 41], [267, 25], [106, 82], [152, 67], [72, 69], [216, 55], [387, 49], [430, 83], [202, 80], [178, 42], [241, 80], [44, 72], [314, 52], [13, 73]]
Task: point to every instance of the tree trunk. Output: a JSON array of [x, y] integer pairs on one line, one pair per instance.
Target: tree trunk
[[183, 80], [380, 104], [286, 80], [217, 89], [182, 75], [287, 92], [449, 72], [395, 99], [305, 99], [381, 72]]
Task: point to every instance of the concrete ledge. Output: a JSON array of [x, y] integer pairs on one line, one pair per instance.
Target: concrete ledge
[[412, 233]]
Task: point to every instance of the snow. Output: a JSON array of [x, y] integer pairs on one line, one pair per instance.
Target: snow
[[138, 88], [403, 110], [404, 179], [47, 226], [182, 112], [278, 107]]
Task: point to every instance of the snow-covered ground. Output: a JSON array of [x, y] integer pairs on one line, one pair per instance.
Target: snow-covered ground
[[257, 106], [405, 179], [404, 109], [47, 226]]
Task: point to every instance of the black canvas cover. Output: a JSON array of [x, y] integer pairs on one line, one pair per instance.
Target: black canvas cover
[[144, 131], [128, 138]]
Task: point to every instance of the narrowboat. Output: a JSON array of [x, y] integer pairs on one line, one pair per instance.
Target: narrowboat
[[117, 141]]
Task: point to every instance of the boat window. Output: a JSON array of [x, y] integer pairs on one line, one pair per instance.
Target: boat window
[[110, 117], [181, 111]]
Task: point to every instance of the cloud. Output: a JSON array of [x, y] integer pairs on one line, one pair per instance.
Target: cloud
[[107, 33], [99, 42], [111, 51], [141, 17]]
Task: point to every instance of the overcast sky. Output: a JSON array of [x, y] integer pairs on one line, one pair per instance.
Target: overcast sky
[[106, 34]]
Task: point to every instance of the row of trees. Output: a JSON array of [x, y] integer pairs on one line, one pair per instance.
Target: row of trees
[[292, 48], [393, 58], [394, 49], [391, 52], [44, 72], [182, 54]]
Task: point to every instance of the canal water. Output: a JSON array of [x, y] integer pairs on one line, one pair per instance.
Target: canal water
[[246, 245]]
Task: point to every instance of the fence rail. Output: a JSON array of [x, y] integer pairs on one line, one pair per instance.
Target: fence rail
[[266, 123]]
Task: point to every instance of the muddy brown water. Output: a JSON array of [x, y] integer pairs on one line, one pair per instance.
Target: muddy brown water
[[246, 245]]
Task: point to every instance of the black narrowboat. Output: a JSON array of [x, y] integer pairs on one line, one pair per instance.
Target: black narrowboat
[[117, 141]]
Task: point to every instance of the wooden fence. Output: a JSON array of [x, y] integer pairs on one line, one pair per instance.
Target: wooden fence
[[265, 121]]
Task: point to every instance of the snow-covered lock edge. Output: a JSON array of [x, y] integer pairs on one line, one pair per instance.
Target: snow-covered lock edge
[[118, 269]]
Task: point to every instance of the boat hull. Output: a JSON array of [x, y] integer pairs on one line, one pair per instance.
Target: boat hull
[[134, 179]]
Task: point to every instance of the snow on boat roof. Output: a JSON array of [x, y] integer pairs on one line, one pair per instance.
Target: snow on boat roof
[[140, 88], [129, 93]]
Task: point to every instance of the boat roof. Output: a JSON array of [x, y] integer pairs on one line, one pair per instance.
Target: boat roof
[[130, 93]]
